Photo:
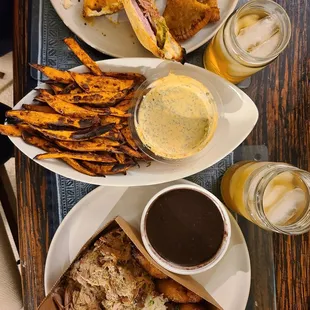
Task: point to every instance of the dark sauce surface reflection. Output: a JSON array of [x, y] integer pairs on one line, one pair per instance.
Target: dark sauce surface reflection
[[185, 227]]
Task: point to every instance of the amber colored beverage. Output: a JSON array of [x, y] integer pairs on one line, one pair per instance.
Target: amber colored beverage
[[249, 40], [275, 196]]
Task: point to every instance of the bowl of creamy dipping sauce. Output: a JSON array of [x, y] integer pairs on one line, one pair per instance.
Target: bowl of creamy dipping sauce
[[185, 229], [174, 117]]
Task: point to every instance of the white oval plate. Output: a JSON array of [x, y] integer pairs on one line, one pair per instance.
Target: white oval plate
[[239, 115], [118, 39], [228, 282]]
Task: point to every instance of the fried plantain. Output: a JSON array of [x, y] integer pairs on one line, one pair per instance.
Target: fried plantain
[[102, 157], [54, 74], [176, 292], [91, 83], [147, 266], [50, 120], [83, 56]]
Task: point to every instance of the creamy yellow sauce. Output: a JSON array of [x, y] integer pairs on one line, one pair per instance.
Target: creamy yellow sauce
[[177, 117]]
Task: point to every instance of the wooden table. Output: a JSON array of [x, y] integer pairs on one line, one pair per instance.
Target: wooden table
[[281, 93]]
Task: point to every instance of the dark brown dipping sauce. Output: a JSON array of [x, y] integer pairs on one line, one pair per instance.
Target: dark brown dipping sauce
[[185, 227]]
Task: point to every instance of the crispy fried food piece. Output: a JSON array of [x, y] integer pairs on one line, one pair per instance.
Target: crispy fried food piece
[[77, 166], [121, 158], [39, 108], [186, 17], [101, 158], [101, 7], [139, 78], [191, 307], [128, 137], [103, 170], [49, 147], [50, 120], [215, 11], [133, 153], [108, 111], [125, 105], [54, 74], [91, 83], [72, 88], [65, 108], [82, 55], [110, 120], [176, 292], [77, 135], [10, 130], [114, 135], [94, 145], [100, 99], [147, 266], [57, 88]]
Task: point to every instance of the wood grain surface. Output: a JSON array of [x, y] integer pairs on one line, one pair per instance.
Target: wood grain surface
[[281, 92]]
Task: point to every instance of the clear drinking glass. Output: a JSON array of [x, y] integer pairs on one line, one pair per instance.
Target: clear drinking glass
[[274, 196], [248, 41]]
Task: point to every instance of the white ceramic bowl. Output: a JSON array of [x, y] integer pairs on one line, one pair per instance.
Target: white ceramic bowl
[[175, 267]]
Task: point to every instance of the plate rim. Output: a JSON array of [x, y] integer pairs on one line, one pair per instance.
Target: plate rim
[[104, 51], [79, 206], [148, 63]]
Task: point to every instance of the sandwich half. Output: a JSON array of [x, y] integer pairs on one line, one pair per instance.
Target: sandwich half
[[152, 31], [101, 7]]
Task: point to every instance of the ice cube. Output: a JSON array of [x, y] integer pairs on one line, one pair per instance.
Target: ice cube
[[256, 34], [281, 212], [267, 47], [273, 193]]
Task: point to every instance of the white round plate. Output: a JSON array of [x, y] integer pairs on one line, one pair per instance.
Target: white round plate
[[118, 39], [228, 282], [238, 117]]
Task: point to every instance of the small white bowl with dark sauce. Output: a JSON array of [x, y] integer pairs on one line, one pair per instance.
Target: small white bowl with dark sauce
[[185, 229]]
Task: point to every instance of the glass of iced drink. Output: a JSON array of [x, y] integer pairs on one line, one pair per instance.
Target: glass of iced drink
[[275, 196], [249, 40]]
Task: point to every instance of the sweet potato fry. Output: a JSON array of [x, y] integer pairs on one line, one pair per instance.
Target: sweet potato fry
[[139, 78], [133, 153], [72, 88], [100, 99], [103, 158], [94, 145], [121, 158], [57, 88], [91, 83], [108, 111], [83, 56], [110, 120], [39, 108], [77, 135], [128, 137], [10, 130], [125, 105], [49, 120], [77, 166], [49, 147], [54, 74], [66, 108], [114, 135], [103, 170]]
